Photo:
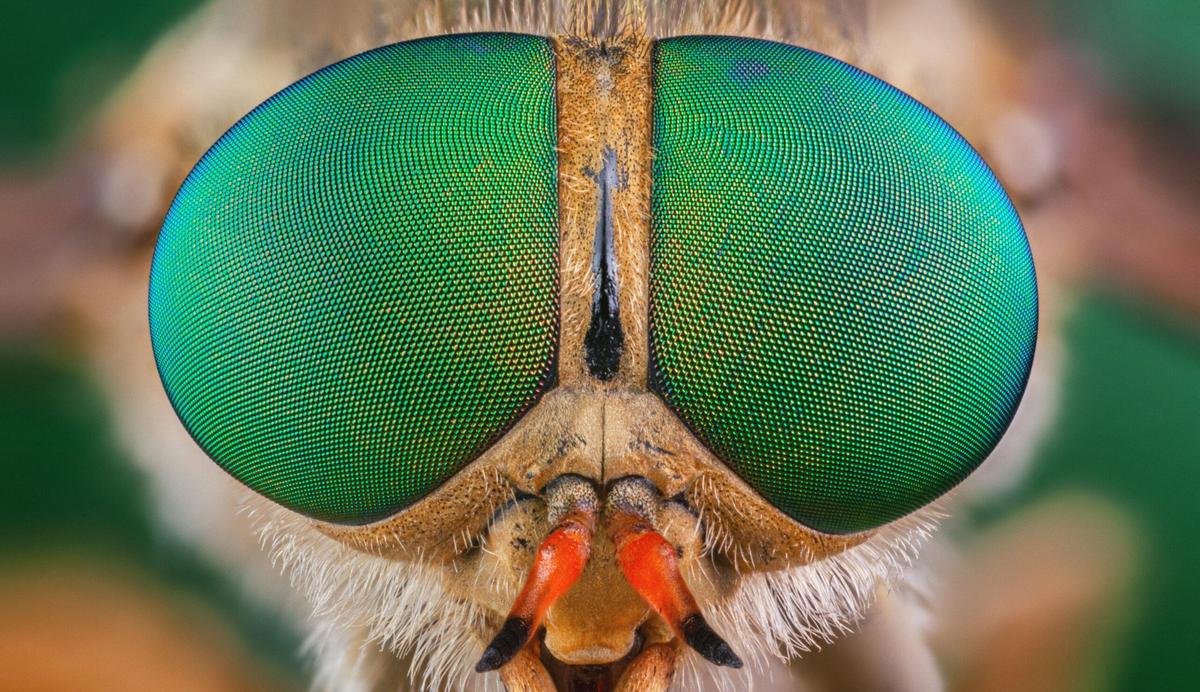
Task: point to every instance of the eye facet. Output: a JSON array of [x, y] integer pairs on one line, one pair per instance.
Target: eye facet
[[843, 306], [355, 291]]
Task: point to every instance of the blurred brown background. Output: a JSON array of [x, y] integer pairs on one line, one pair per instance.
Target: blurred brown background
[[1077, 573]]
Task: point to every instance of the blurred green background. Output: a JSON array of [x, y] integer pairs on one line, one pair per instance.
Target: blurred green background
[[63, 58], [67, 491], [1129, 425], [1129, 432]]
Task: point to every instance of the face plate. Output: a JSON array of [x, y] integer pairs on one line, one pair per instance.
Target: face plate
[[355, 292], [601, 430]]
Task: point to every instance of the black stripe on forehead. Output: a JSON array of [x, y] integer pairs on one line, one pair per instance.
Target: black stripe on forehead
[[605, 340]]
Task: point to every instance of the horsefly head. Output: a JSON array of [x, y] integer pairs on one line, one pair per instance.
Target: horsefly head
[[641, 354]]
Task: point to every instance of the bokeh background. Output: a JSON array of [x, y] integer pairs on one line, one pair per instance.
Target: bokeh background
[[1078, 572]]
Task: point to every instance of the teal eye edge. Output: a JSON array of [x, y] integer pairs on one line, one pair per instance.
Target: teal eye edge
[[355, 293], [843, 303]]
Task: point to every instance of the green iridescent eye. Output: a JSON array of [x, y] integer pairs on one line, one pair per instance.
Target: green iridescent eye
[[843, 303], [355, 291]]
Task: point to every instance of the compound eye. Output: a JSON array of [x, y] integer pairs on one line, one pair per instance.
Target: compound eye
[[355, 291], [842, 301]]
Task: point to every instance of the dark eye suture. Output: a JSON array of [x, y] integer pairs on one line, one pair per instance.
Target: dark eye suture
[[605, 341]]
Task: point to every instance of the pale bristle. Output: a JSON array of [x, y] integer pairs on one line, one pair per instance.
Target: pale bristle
[[787, 613], [365, 605]]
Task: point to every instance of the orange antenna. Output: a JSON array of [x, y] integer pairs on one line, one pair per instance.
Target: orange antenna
[[560, 560], [651, 567]]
